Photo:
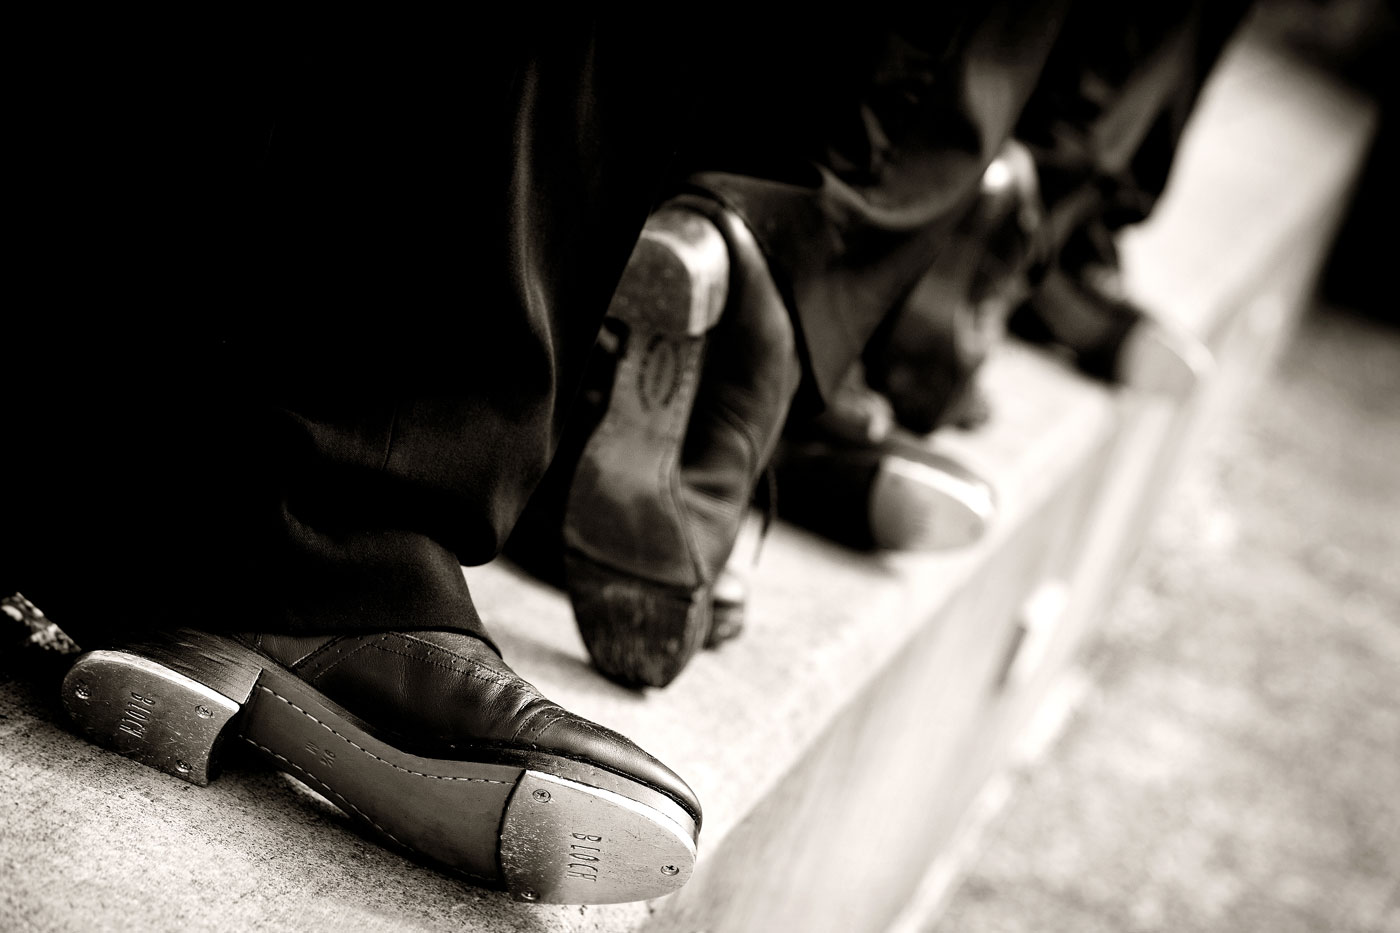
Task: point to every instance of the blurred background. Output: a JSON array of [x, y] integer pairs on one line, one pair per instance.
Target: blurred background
[[1236, 762]]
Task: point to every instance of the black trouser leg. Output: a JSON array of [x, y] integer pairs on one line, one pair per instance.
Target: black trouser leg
[[862, 149], [1106, 119], [322, 348], [1103, 128]]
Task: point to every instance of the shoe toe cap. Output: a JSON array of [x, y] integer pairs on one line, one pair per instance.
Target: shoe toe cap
[[578, 738]]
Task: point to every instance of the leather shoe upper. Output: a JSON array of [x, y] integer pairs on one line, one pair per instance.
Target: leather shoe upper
[[440, 690]]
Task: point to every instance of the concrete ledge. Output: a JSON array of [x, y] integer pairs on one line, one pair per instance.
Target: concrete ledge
[[836, 744]]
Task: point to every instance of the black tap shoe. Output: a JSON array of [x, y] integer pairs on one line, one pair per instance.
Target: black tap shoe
[[426, 739]]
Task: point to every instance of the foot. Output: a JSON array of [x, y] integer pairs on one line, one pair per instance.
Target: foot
[[1082, 307], [1161, 359], [427, 739], [893, 496], [926, 357], [706, 371]]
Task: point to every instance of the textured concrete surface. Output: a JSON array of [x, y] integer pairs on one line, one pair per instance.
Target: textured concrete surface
[[1237, 767], [89, 840]]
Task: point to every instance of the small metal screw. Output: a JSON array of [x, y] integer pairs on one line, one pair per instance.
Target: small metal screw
[[541, 795], [528, 895], [183, 767], [670, 870], [204, 712], [83, 691]]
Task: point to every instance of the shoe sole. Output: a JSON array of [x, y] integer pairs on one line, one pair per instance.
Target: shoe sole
[[894, 497], [547, 829], [625, 493], [924, 501], [1162, 360]]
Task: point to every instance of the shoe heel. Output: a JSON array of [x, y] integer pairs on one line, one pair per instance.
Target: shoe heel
[[165, 703], [671, 295], [677, 278], [639, 592], [637, 632]]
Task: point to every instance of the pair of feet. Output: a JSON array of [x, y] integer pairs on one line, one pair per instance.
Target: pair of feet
[[427, 739], [995, 274], [852, 476]]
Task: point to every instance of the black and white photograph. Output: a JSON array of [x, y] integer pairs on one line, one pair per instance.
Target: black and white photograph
[[910, 468]]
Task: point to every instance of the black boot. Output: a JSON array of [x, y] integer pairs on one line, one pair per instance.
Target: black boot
[[1082, 308], [881, 491], [658, 470], [925, 356]]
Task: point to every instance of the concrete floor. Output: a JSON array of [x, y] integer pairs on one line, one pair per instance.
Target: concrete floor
[[1237, 766]]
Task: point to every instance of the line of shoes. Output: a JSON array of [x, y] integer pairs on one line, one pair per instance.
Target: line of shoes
[[686, 406], [638, 517]]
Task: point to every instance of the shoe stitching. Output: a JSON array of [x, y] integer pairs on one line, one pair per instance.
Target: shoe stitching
[[525, 726], [438, 649], [500, 682], [561, 715], [354, 744], [594, 727], [341, 797], [347, 654], [600, 731], [409, 636], [315, 652]]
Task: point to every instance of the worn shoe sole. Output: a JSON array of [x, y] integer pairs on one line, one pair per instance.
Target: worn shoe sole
[[545, 828], [625, 522]]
